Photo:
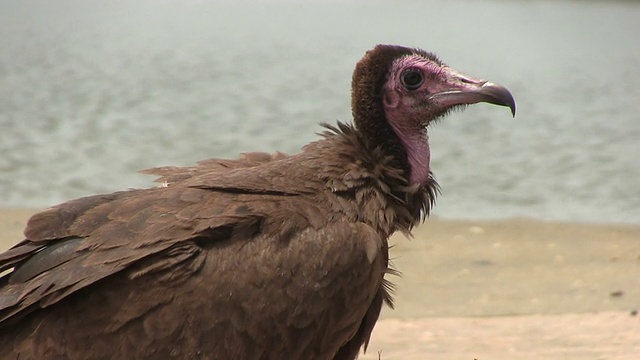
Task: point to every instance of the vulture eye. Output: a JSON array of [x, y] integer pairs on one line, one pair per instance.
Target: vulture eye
[[412, 79]]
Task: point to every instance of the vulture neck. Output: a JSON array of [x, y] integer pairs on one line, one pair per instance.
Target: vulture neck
[[369, 116], [377, 132], [416, 145], [365, 166]]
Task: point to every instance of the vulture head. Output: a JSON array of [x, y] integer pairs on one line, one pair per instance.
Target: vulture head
[[398, 91]]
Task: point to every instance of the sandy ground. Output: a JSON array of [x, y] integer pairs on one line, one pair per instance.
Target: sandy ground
[[492, 290], [606, 335]]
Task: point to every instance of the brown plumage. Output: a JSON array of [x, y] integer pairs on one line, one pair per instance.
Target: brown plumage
[[263, 257]]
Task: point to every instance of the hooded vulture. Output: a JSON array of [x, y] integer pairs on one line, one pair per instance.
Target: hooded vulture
[[267, 256]]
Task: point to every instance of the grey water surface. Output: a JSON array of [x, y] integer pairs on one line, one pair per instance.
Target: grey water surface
[[92, 91]]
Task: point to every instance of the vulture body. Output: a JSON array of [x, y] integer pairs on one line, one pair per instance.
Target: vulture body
[[263, 257]]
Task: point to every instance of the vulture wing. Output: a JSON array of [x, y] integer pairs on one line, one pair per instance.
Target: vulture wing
[[220, 234]]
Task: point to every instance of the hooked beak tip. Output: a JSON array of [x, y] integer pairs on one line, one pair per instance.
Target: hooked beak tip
[[497, 95]]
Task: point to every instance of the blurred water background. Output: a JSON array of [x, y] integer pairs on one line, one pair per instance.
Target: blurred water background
[[92, 91]]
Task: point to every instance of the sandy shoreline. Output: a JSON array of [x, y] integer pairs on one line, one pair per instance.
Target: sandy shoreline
[[516, 267], [508, 289], [607, 335]]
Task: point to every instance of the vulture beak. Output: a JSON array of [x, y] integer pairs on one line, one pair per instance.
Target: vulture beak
[[460, 89]]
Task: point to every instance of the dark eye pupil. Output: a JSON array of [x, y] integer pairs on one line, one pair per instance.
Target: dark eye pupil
[[412, 79]]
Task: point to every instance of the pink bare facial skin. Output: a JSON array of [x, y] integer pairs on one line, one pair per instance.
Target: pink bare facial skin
[[409, 108], [406, 112]]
